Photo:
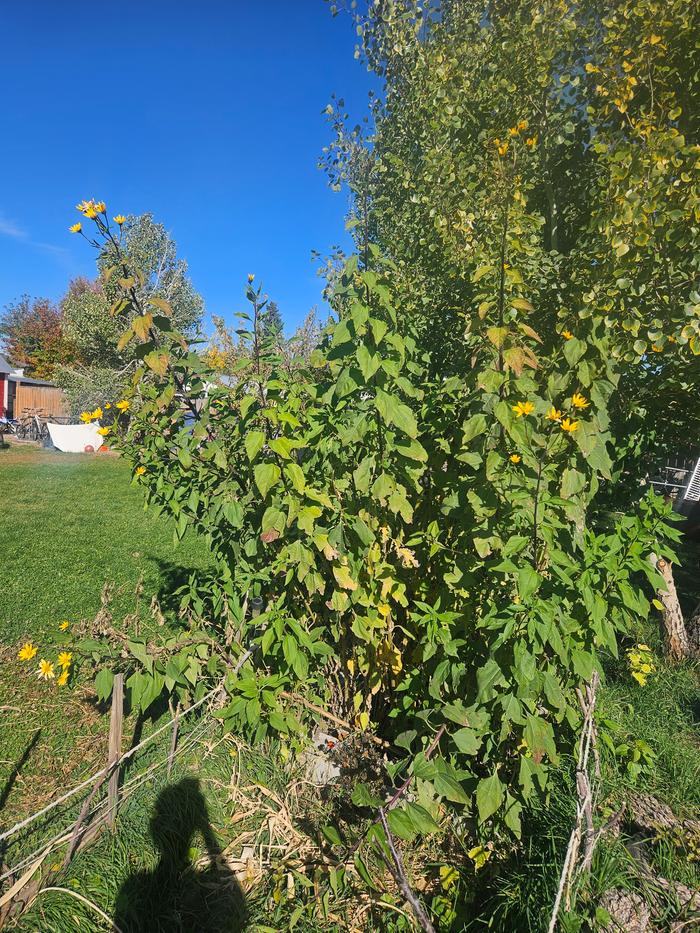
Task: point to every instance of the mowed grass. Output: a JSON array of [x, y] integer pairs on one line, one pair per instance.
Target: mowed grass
[[70, 523]]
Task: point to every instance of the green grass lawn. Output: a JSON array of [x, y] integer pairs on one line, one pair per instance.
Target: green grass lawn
[[70, 523]]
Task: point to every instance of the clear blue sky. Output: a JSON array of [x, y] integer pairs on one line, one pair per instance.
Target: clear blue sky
[[206, 113]]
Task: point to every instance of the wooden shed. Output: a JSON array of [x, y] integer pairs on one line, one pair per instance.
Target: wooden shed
[[26, 393]]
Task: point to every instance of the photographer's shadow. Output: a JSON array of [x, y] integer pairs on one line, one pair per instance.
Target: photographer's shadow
[[176, 897]]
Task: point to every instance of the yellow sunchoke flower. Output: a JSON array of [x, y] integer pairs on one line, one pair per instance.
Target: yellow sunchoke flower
[[27, 651], [103, 431], [119, 219], [65, 658], [97, 413], [566, 334], [101, 207], [64, 625], [579, 401], [569, 425], [140, 470], [62, 678], [86, 416], [123, 405], [523, 408], [554, 414], [515, 458], [46, 671], [76, 228]]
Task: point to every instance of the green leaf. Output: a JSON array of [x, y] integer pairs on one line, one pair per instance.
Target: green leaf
[[233, 512], [467, 741], [296, 476], [395, 412], [103, 684], [489, 797], [400, 824], [267, 475], [368, 362], [254, 441]]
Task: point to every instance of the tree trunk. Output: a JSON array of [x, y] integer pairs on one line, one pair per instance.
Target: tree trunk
[[677, 643]]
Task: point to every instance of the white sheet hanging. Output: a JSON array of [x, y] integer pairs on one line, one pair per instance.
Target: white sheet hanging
[[74, 438]]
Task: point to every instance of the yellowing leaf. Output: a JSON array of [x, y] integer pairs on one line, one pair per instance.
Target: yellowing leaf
[[343, 578]]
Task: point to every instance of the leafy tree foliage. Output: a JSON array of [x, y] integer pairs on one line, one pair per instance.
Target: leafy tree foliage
[[93, 324], [547, 153], [34, 337]]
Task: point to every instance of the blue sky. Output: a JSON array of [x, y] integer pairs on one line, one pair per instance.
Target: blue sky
[[206, 113]]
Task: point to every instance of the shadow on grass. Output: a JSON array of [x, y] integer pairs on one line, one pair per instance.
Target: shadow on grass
[[175, 896], [12, 778]]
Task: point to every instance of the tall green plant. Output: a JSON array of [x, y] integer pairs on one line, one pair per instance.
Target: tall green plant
[[419, 544]]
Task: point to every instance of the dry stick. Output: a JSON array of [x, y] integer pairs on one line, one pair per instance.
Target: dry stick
[[584, 805], [398, 873], [173, 741], [399, 793], [116, 722], [329, 716], [89, 903]]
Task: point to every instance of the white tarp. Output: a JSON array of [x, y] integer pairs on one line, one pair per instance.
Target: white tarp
[[74, 438]]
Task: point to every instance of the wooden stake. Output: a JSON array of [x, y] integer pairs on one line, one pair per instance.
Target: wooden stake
[[677, 644], [115, 745]]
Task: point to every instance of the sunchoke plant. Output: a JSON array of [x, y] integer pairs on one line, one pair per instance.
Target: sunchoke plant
[[418, 545]]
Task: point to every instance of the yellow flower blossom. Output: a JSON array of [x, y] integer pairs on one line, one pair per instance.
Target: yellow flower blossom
[[46, 671], [97, 413], [119, 219], [554, 414], [86, 416], [101, 207], [103, 431], [251, 276], [515, 458], [531, 141], [90, 213], [522, 124], [64, 625], [62, 678], [503, 148], [84, 206], [523, 408], [569, 425], [65, 658], [566, 334], [140, 470], [27, 651], [123, 405], [76, 228], [656, 348], [579, 401], [108, 405]]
